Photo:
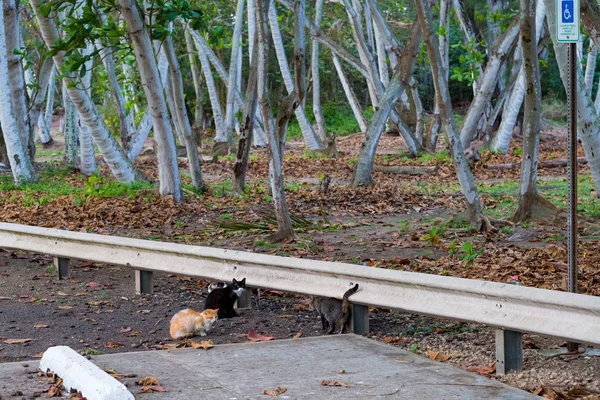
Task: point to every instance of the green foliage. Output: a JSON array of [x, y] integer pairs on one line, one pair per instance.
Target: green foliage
[[554, 109], [469, 254], [338, 118], [470, 60], [434, 235]]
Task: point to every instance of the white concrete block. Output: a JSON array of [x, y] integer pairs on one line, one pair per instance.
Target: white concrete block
[[77, 372]]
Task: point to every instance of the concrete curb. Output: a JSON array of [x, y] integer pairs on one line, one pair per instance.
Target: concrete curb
[[79, 373]]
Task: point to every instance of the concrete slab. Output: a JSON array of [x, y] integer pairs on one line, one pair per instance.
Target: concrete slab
[[243, 371]]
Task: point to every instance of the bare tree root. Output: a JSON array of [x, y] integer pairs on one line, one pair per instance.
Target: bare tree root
[[481, 223], [280, 237]]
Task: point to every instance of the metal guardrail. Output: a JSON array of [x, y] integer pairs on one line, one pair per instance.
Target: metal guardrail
[[563, 315]]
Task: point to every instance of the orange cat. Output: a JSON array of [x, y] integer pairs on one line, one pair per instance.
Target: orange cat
[[188, 322]]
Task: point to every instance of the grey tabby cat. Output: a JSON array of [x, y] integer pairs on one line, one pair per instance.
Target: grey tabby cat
[[333, 311]]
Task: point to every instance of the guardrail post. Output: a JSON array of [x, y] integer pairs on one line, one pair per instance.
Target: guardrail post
[[62, 267], [245, 300], [509, 351], [359, 319], [143, 281]]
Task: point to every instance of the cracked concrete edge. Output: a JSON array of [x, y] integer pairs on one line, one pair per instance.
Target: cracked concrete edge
[[77, 372]]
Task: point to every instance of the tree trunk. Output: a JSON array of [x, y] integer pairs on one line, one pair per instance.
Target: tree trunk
[[198, 89], [316, 78], [45, 119], [87, 159], [463, 172], [588, 124], [311, 139], [511, 111], [488, 82], [181, 117], [233, 73], [250, 107], [120, 166], [71, 130], [168, 170], [15, 141], [590, 67], [366, 157], [17, 75], [275, 138], [529, 198], [352, 100]]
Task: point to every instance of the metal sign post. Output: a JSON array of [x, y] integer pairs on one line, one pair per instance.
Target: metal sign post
[[567, 31]]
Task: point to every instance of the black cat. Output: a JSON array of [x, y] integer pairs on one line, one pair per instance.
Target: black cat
[[224, 298]]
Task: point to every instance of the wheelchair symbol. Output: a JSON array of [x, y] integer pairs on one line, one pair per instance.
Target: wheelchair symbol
[[567, 12]]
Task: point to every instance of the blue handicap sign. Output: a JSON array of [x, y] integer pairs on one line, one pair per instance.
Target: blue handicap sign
[[567, 12]]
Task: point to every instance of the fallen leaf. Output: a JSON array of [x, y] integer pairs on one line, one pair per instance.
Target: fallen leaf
[[92, 284], [65, 307], [111, 345], [55, 390], [276, 392], [125, 330], [333, 382], [17, 341], [76, 396], [62, 294], [205, 344], [5, 298], [38, 326], [285, 316], [391, 339], [38, 355], [549, 393], [81, 294], [482, 369], [257, 337], [118, 375], [148, 381], [153, 388], [297, 335], [437, 356]]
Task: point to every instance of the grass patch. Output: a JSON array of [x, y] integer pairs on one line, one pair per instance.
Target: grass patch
[[554, 110]]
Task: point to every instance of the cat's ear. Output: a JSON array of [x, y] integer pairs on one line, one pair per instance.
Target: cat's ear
[[243, 282], [235, 281]]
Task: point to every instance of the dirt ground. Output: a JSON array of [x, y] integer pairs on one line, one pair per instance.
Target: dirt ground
[[96, 311]]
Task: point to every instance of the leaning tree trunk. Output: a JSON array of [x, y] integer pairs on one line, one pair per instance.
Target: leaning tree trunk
[[530, 202], [15, 141], [488, 82], [118, 163], [168, 170], [198, 89], [511, 111], [181, 117], [311, 140], [366, 157], [233, 74], [352, 100], [275, 137], [463, 172], [588, 124]]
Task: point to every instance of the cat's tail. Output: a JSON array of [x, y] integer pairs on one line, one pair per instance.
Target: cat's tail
[[346, 305]]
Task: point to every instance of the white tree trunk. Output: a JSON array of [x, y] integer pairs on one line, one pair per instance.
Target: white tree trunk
[[16, 72], [316, 78], [87, 159], [198, 90], [311, 140], [221, 135], [590, 67], [251, 27], [588, 124], [511, 109], [414, 87], [354, 104], [71, 130], [180, 115], [45, 119], [19, 159], [488, 83], [233, 73], [168, 170]]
